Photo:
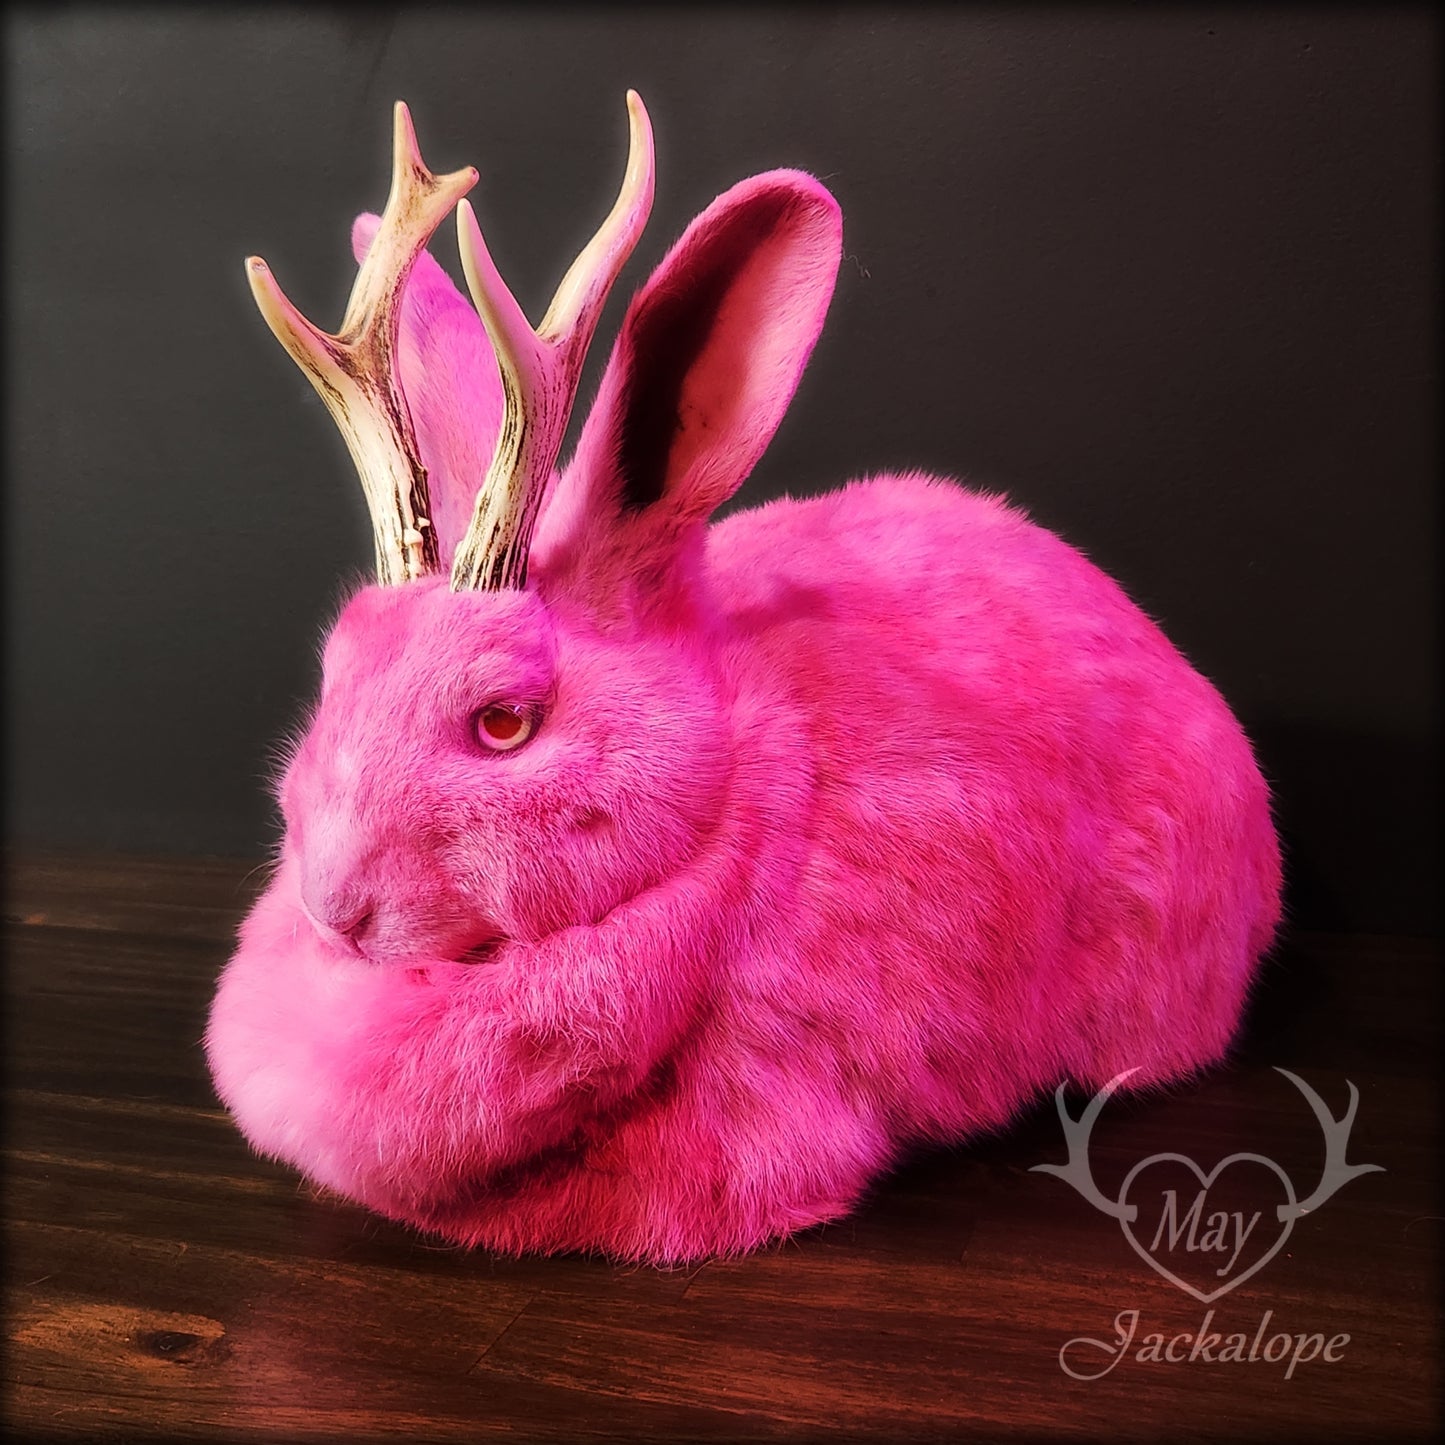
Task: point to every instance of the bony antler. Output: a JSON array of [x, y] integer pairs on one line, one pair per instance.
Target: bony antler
[[1076, 1134], [1336, 1173], [541, 369], [354, 371]]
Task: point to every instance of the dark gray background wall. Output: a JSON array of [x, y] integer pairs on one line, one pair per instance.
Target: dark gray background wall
[[1166, 275]]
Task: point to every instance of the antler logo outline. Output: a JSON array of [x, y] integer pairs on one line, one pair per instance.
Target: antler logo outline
[[1334, 1175]]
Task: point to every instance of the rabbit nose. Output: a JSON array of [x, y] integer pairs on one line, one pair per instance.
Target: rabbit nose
[[343, 912], [356, 924]]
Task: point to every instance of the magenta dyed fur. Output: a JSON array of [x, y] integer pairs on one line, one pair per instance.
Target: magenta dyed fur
[[852, 821]]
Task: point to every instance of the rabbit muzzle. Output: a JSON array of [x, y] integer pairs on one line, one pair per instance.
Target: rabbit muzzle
[[389, 913]]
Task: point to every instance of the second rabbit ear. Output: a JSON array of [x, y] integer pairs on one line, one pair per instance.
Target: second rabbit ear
[[709, 355], [449, 378]]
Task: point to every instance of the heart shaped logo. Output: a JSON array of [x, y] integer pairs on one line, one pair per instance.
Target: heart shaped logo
[[1195, 1228]]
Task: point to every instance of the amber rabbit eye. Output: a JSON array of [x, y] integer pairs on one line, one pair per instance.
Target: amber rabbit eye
[[501, 727]]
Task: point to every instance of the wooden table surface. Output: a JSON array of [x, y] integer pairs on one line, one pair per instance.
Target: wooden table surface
[[162, 1283]]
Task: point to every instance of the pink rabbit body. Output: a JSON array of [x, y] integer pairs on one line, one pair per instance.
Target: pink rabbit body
[[847, 823]]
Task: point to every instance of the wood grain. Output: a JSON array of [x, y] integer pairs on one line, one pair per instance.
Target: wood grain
[[162, 1283]]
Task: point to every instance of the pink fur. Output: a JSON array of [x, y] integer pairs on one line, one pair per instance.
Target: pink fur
[[851, 822]]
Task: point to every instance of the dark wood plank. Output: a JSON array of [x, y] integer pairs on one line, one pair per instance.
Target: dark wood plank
[[163, 1283]]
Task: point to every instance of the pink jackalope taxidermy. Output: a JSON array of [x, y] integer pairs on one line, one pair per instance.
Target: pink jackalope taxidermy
[[649, 886]]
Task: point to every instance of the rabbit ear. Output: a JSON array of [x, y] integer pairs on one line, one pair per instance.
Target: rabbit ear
[[708, 358], [452, 388]]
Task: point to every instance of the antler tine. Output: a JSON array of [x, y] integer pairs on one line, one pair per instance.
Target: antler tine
[[1077, 1170], [541, 369], [582, 293], [1336, 1173], [354, 370]]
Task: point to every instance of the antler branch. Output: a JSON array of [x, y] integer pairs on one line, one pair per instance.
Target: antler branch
[[541, 369], [1076, 1134], [354, 370], [1337, 1138]]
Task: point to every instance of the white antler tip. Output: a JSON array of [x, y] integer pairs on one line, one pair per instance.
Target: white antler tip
[[404, 132], [269, 296], [640, 157], [271, 300]]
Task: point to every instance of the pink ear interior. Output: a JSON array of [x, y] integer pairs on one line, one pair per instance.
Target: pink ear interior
[[452, 387], [713, 347]]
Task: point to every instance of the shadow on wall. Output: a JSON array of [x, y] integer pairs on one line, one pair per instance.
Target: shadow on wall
[[1357, 816]]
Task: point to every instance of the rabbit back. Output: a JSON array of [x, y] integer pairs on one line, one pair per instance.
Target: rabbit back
[[1040, 838]]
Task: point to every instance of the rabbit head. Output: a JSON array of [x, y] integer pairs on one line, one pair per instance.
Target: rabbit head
[[524, 723]]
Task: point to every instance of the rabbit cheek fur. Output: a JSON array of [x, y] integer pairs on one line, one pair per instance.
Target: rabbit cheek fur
[[851, 822]]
